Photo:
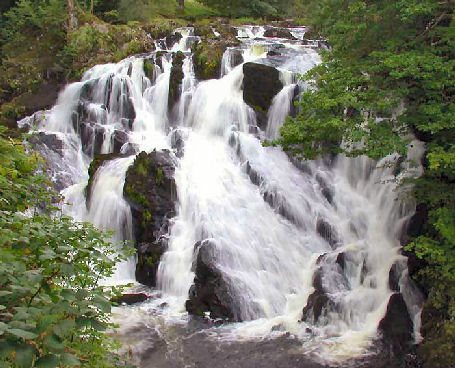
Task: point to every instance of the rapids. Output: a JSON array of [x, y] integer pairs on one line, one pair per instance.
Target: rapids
[[277, 224]]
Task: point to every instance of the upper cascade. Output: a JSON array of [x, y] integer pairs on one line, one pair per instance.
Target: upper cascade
[[309, 248]]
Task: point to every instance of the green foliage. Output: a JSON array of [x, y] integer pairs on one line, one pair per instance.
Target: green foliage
[[390, 72], [242, 8], [52, 309]]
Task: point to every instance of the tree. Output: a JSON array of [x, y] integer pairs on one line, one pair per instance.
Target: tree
[[237, 8], [181, 5]]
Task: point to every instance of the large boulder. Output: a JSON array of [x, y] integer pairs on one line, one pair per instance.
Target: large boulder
[[210, 292], [397, 326], [151, 192], [261, 83], [176, 78]]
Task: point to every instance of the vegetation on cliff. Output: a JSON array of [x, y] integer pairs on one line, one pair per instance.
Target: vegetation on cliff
[[391, 71], [52, 310]]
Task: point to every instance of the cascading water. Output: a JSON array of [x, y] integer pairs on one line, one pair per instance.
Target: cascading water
[[281, 233]]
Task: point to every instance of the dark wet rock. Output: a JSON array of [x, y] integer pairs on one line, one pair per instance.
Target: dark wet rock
[[158, 58], [394, 277], [341, 260], [273, 53], [415, 226], [119, 139], [130, 149], [177, 142], [255, 178], [326, 189], [49, 140], [172, 39], [327, 232], [261, 83], [279, 33], [150, 190], [397, 326], [318, 302], [176, 78], [210, 292], [130, 298]]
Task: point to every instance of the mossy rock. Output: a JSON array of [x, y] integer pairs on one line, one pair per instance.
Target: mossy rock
[[176, 78], [149, 68], [207, 58], [151, 192]]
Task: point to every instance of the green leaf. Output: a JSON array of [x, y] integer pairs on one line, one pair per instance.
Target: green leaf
[[70, 360], [26, 335], [64, 327], [48, 361], [54, 344]]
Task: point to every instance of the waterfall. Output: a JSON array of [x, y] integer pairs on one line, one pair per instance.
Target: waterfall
[[282, 232]]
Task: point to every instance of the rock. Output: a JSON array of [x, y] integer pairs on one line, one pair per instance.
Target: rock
[[207, 57], [394, 277], [318, 302], [151, 192], [327, 232], [149, 68], [176, 78], [261, 83], [49, 140], [119, 139], [397, 326], [177, 142], [341, 260], [172, 39], [130, 298], [279, 33], [210, 292]]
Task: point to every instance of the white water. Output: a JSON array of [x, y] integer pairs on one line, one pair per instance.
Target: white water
[[265, 231]]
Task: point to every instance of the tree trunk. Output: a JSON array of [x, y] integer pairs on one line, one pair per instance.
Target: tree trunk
[[181, 5], [72, 19], [92, 6]]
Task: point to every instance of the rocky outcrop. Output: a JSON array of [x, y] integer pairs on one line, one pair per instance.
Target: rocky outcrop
[[130, 298], [261, 83], [397, 326], [89, 119], [279, 33], [207, 57], [176, 78], [210, 292], [318, 302], [149, 68], [151, 192], [327, 232]]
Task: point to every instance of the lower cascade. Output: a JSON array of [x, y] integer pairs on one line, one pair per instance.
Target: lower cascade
[[226, 228]]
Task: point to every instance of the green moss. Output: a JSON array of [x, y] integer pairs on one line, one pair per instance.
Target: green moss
[[149, 69], [207, 59], [159, 176]]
